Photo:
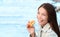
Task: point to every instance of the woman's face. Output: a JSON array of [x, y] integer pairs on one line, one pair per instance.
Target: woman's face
[[42, 16]]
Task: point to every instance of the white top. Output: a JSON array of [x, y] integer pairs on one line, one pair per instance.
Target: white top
[[46, 32]]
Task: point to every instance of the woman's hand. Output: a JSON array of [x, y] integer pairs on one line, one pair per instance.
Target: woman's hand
[[30, 29]]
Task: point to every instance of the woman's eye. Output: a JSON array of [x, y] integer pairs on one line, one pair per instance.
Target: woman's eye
[[43, 14]]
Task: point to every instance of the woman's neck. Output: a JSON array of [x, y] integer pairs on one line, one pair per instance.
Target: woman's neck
[[43, 25]]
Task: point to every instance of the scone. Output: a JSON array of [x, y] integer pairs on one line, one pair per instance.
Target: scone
[[31, 23]]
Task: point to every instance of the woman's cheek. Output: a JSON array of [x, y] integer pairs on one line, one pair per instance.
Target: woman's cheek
[[44, 18]]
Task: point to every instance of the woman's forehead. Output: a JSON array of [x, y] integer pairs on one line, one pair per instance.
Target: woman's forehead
[[42, 10]]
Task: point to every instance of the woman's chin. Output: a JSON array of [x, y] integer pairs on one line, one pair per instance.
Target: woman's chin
[[41, 24]]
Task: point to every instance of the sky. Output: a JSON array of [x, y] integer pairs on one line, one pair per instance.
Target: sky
[[14, 15]]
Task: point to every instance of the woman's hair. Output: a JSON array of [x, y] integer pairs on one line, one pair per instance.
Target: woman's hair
[[52, 19]]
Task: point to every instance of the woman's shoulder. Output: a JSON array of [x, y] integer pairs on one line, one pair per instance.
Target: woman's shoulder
[[51, 33]]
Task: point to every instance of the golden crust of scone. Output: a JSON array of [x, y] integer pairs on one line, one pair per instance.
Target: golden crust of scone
[[31, 23]]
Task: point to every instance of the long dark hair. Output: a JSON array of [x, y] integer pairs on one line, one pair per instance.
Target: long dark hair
[[52, 19]]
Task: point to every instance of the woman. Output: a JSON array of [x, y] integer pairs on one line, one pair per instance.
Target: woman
[[47, 19]]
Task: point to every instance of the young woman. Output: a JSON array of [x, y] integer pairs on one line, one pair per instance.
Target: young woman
[[46, 16]]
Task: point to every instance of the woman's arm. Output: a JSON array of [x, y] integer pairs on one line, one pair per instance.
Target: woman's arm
[[33, 35]]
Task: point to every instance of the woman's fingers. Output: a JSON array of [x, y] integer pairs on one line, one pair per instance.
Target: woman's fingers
[[31, 30]]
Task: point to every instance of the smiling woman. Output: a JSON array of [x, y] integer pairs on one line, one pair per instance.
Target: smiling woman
[[47, 19]]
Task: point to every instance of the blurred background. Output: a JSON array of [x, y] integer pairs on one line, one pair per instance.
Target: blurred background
[[14, 15]]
